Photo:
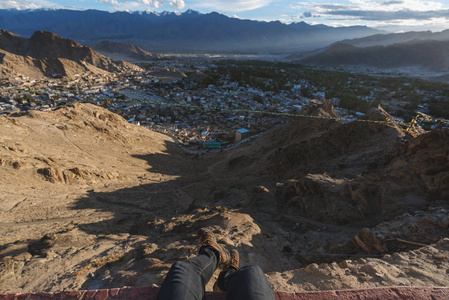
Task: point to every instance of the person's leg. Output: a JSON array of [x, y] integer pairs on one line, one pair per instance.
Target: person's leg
[[187, 279], [248, 283]]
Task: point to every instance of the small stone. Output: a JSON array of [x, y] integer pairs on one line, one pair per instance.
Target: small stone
[[344, 264], [17, 165], [363, 277], [439, 256], [50, 254], [335, 266], [312, 268], [261, 189], [25, 256], [416, 271]]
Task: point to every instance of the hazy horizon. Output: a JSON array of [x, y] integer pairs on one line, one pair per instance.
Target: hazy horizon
[[388, 15]]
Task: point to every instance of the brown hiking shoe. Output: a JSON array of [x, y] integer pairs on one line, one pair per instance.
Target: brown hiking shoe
[[234, 261], [207, 238]]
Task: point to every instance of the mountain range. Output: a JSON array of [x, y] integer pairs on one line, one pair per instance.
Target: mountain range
[[189, 31], [398, 38], [430, 54], [47, 54]]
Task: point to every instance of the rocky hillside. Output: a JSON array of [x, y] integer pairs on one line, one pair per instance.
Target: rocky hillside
[[90, 201], [47, 54], [126, 51], [356, 173]]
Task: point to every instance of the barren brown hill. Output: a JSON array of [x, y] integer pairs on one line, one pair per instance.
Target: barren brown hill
[[128, 51], [90, 201], [46, 54]]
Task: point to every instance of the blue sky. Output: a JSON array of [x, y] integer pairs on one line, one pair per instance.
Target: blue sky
[[390, 15]]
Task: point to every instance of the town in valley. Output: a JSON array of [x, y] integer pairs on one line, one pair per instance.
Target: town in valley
[[208, 104]]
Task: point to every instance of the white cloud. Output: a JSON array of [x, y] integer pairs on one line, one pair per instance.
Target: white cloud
[[127, 5], [152, 3], [137, 4], [179, 4], [24, 4], [113, 2], [374, 5], [391, 15], [134, 5], [377, 12], [233, 5], [435, 25]]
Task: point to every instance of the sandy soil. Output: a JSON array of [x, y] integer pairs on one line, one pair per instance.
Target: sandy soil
[[90, 201]]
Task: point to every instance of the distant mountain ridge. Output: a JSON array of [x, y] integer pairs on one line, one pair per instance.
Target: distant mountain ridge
[[432, 55], [129, 51], [173, 31], [397, 38], [45, 53]]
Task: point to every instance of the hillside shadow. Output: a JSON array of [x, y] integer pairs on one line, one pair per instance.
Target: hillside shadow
[[166, 212], [148, 211], [157, 196], [151, 209]]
